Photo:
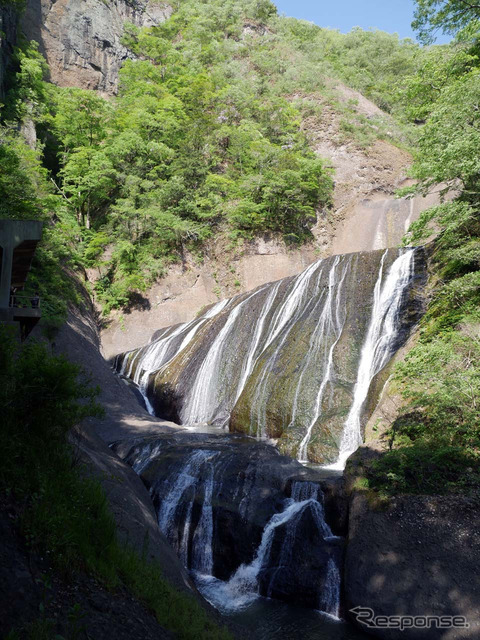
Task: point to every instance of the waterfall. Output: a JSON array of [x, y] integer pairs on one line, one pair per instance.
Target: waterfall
[[251, 360], [209, 501], [159, 353], [175, 490], [305, 491], [283, 320], [144, 456], [202, 399], [214, 311], [244, 585], [330, 597], [202, 554], [330, 324], [378, 346], [245, 578], [280, 361]]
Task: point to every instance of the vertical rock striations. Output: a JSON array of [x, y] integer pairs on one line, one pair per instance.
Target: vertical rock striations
[[8, 39], [81, 39]]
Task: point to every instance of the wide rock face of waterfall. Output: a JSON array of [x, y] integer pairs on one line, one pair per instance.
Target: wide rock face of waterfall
[[296, 360]]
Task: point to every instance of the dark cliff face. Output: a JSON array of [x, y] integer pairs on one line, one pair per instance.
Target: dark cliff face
[[414, 559], [8, 39], [81, 39]]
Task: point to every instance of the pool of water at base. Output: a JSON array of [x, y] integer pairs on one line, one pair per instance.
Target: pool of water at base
[[266, 619]]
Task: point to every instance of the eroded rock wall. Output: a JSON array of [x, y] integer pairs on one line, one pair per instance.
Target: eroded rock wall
[[81, 39], [415, 557], [282, 361], [8, 38]]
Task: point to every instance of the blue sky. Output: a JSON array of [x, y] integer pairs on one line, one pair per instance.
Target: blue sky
[[393, 16]]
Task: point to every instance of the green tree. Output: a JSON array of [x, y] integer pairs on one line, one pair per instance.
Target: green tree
[[449, 145], [28, 95], [448, 16], [88, 179], [439, 67], [18, 193], [81, 123], [81, 118]]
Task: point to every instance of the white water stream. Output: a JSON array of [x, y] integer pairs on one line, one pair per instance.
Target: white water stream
[[317, 299], [378, 346]]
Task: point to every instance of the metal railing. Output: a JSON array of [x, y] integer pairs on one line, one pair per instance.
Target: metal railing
[[24, 302]]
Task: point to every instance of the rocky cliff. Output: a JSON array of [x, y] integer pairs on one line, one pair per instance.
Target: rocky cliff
[[81, 39], [8, 37], [413, 558]]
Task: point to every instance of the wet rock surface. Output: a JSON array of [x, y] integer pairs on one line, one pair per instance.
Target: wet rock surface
[[281, 361], [301, 560], [249, 482]]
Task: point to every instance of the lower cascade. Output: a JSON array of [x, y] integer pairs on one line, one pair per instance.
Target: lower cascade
[[244, 520], [296, 361]]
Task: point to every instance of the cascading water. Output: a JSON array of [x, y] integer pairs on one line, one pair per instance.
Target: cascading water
[[173, 490], [296, 556], [202, 400], [252, 354], [330, 597], [202, 554], [379, 345], [158, 353], [243, 586], [282, 322], [330, 325], [287, 361]]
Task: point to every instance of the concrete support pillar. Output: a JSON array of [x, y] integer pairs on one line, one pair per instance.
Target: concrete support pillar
[[6, 276]]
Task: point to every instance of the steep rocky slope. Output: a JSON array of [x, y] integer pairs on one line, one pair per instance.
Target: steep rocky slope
[[413, 557], [8, 37], [81, 41], [25, 590]]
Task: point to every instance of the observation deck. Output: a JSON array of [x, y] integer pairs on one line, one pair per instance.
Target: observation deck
[[18, 242]]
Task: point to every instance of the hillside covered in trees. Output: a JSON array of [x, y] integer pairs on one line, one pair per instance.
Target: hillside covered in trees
[[203, 140]]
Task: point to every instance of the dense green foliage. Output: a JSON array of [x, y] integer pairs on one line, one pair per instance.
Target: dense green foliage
[[447, 16], [63, 510], [204, 140], [436, 438], [25, 193], [435, 441]]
